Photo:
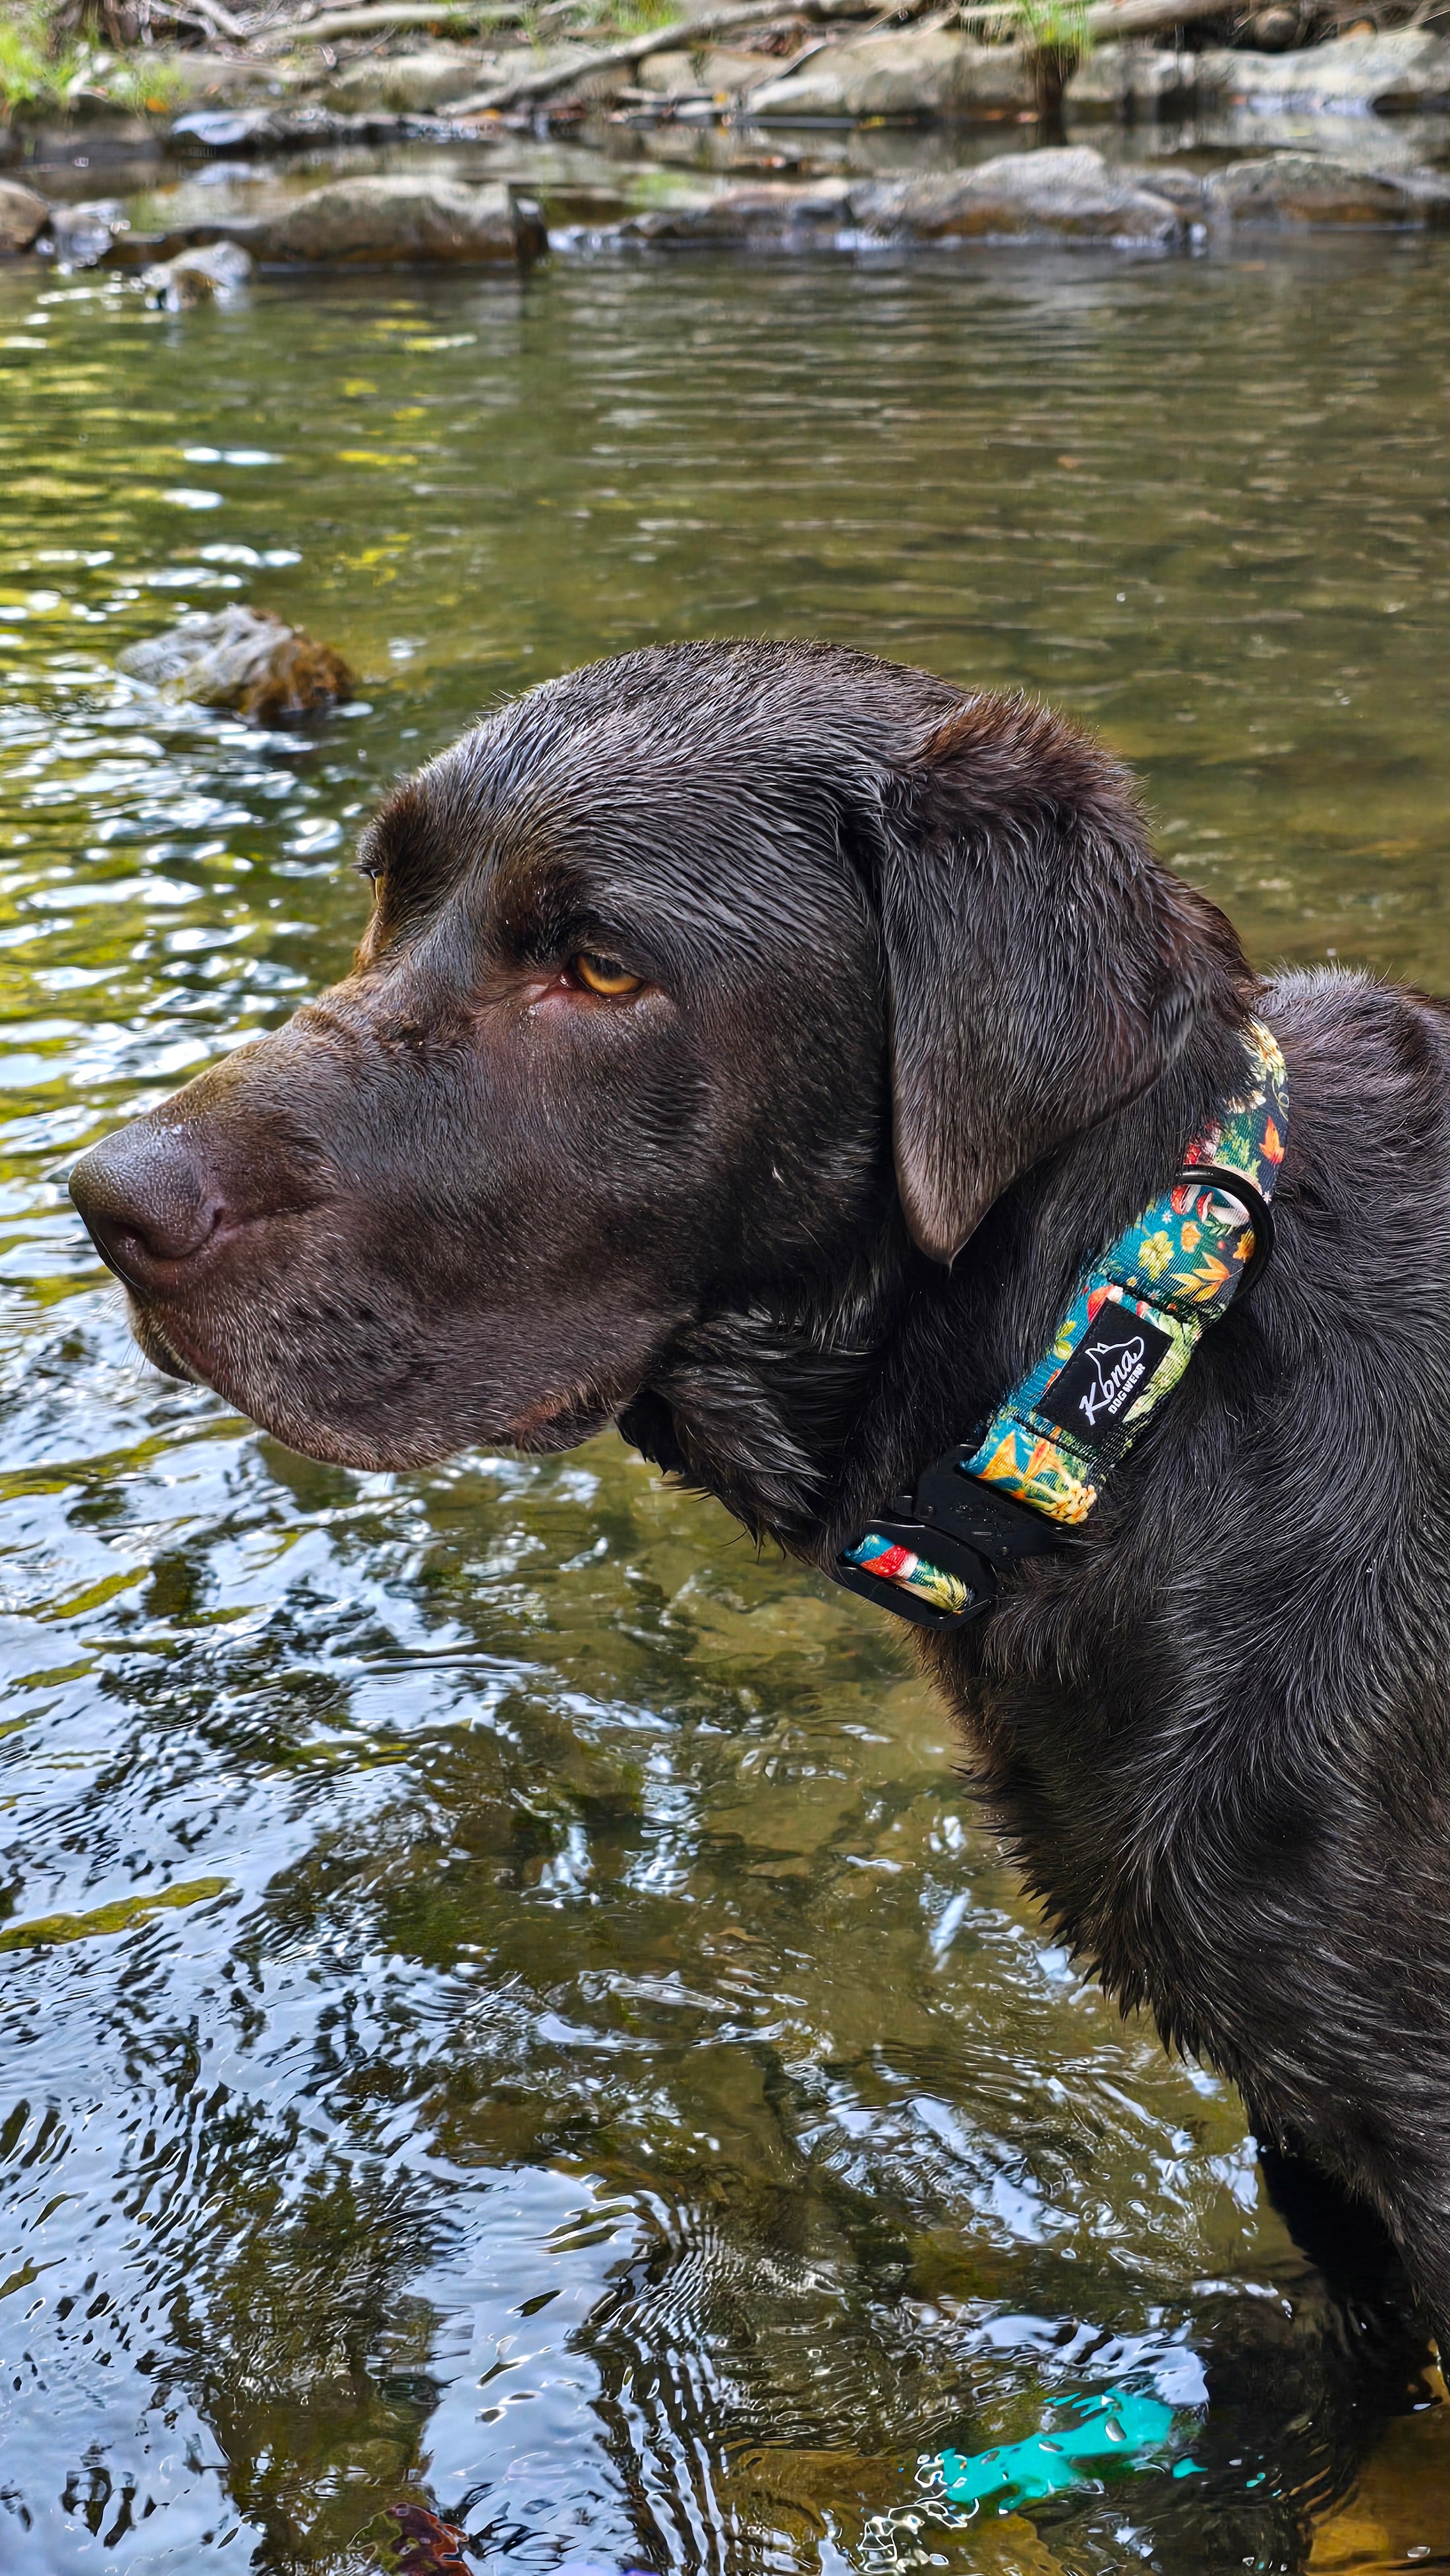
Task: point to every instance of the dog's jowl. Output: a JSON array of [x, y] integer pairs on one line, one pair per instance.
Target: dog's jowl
[[808, 1066]]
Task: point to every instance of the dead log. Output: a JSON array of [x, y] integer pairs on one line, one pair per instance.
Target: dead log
[[1107, 20], [217, 20], [1103, 20], [378, 17], [687, 34]]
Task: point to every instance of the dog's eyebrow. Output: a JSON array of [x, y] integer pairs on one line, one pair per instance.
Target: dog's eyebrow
[[416, 846], [682, 842]]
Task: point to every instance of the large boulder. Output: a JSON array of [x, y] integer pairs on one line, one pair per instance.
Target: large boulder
[[412, 84], [193, 77], [1133, 82], [1305, 188], [1399, 73], [23, 216], [916, 74], [1064, 195], [716, 74], [243, 658], [400, 220], [497, 71]]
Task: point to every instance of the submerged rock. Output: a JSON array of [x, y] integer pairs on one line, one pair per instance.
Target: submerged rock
[[23, 216], [395, 220], [916, 74], [81, 236], [1305, 188], [1185, 189], [308, 128], [1069, 194], [245, 658], [230, 129], [771, 216], [198, 276]]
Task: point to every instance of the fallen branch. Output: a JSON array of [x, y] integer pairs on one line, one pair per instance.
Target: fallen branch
[[206, 14], [1103, 20], [1108, 19], [378, 16], [997, 16], [686, 35]]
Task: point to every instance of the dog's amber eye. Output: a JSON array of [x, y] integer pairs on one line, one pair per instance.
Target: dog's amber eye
[[605, 975]]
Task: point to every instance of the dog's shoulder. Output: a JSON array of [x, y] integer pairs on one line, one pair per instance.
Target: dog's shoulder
[[1360, 1049], [1363, 1205]]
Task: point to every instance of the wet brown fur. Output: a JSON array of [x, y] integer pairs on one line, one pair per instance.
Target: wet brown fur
[[922, 1023]]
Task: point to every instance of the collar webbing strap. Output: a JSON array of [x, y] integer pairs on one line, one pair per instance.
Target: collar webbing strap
[[1122, 1346]]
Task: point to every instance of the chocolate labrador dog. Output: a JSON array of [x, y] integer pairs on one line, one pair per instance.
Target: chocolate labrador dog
[[754, 1045]]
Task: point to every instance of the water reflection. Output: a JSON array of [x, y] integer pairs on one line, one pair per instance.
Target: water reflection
[[505, 1999]]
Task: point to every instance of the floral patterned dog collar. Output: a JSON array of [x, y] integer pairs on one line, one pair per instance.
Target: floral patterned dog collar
[[1122, 1346]]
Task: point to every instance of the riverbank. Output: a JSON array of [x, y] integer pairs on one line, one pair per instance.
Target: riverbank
[[851, 145]]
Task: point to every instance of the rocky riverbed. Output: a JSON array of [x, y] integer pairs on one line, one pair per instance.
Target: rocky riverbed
[[855, 143]]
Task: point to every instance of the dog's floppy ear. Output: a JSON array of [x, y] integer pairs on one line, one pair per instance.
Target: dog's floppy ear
[[1043, 968]]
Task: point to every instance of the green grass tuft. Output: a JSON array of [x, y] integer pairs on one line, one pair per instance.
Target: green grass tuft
[[33, 71], [1056, 26], [42, 67]]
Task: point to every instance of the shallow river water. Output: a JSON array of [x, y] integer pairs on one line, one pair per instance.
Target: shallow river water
[[505, 2001]]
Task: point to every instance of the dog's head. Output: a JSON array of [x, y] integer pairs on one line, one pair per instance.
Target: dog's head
[[687, 975]]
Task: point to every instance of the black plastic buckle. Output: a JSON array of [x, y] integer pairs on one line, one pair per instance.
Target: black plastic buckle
[[939, 1550], [961, 1526], [952, 1500]]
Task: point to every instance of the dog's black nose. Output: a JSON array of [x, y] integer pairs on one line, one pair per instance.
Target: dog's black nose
[[146, 1196]]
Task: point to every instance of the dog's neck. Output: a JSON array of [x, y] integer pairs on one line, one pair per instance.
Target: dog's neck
[[804, 1412]]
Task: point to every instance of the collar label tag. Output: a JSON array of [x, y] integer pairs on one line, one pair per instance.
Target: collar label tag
[[1119, 1356], [1136, 1317]]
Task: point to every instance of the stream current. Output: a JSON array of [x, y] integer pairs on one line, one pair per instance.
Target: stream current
[[505, 1999]]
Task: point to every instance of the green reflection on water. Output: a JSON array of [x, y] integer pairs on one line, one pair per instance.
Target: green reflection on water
[[620, 2093]]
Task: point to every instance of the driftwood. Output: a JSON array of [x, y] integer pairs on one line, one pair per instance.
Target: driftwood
[[1102, 19], [686, 34], [378, 17], [1107, 19], [206, 14]]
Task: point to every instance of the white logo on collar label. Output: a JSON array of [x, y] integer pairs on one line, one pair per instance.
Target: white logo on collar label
[[1106, 1374]]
